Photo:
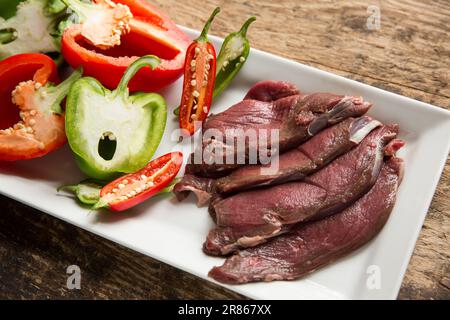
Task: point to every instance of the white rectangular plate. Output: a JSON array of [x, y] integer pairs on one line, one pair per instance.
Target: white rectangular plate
[[174, 232]]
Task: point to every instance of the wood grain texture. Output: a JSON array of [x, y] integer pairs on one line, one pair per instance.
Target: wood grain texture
[[409, 55], [36, 249]]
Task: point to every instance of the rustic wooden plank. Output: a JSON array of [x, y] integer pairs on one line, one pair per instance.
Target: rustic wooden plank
[[428, 274], [36, 249], [411, 50], [409, 55]]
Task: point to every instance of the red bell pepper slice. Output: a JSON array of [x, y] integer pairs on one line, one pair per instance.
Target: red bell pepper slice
[[199, 79], [27, 129], [133, 189], [151, 32]]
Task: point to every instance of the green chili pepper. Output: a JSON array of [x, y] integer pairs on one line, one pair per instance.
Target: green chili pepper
[[113, 132], [232, 57]]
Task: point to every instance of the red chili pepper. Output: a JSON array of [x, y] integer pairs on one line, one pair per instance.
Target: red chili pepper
[[133, 189], [199, 78], [150, 32], [31, 119]]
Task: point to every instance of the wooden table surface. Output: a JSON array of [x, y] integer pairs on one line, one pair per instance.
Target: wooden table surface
[[409, 55]]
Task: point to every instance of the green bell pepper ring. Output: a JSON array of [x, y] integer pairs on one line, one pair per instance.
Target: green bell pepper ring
[[232, 57], [113, 132]]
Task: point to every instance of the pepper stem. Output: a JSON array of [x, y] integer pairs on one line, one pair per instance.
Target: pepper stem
[[54, 7], [204, 35], [57, 94], [101, 203], [70, 188], [152, 61], [80, 8], [7, 35], [245, 26]]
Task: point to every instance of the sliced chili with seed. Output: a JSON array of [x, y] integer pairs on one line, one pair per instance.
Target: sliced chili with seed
[[199, 79], [133, 189]]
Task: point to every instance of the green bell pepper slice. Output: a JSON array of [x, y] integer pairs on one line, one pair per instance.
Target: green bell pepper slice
[[114, 132]]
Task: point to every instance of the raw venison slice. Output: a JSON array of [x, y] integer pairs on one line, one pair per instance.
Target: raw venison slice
[[293, 165], [316, 244], [299, 162], [250, 218], [203, 188], [295, 118], [271, 90]]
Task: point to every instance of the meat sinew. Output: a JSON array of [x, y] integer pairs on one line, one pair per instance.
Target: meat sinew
[[316, 244], [250, 218], [295, 118], [293, 165]]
